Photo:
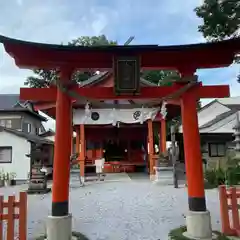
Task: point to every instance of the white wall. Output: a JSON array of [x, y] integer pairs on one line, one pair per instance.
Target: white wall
[[20, 163]]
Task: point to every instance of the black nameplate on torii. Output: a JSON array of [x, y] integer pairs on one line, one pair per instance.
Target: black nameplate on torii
[[126, 74]]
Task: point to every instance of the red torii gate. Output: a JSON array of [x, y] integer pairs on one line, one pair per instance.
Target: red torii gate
[[186, 59]]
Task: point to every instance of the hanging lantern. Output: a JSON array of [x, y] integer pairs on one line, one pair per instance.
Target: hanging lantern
[[142, 116], [113, 116], [87, 111], [164, 110]]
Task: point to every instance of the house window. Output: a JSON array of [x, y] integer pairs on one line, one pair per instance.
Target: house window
[[2, 123], [6, 123], [217, 149], [5, 154], [27, 127]]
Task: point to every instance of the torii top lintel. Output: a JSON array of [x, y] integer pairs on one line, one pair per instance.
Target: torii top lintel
[[194, 56]]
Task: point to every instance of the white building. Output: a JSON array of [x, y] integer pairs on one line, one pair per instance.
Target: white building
[[216, 121], [14, 145], [19, 124]]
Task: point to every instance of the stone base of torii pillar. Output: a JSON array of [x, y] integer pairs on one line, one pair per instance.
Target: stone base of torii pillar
[[59, 228], [199, 226]]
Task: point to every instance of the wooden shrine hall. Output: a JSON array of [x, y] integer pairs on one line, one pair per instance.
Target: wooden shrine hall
[[108, 105], [118, 130]]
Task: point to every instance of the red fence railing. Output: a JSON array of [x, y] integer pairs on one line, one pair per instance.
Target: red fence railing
[[11, 216], [229, 210]]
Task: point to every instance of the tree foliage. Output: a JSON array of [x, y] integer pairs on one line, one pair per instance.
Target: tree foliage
[[161, 77], [221, 19]]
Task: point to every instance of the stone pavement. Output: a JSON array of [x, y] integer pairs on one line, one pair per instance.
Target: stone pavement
[[120, 208]]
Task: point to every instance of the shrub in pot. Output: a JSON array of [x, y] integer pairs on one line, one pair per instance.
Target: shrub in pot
[[7, 180], [12, 176], [2, 176]]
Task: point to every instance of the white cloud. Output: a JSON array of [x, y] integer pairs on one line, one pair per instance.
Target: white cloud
[[49, 22]]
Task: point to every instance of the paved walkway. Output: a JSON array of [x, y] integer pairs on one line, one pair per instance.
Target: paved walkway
[[121, 208]]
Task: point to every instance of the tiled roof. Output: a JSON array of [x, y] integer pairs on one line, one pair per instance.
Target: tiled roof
[[12, 103], [231, 101], [7, 101], [217, 119], [28, 137]]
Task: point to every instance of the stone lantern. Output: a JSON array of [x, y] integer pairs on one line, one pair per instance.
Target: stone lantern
[[237, 133]]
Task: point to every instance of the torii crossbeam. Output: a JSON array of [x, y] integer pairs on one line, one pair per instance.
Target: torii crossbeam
[[107, 93]]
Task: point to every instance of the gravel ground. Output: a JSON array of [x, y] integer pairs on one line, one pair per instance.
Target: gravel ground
[[119, 209]]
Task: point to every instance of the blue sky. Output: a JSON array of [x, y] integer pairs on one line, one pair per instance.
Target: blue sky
[[163, 22]]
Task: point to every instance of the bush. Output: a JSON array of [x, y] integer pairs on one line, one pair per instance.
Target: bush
[[215, 177], [220, 176], [230, 176], [233, 175], [233, 168]]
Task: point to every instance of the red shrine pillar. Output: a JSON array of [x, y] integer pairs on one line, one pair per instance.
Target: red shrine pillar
[[77, 140], [198, 219], [59, 224], [72, 141], [151, 149], [82, 152], [163, 136]]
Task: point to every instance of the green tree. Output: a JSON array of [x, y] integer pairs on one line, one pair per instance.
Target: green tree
[[161, 77], [221, 20]]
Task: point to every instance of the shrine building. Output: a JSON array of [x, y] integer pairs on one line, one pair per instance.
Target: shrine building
[[104, 127]]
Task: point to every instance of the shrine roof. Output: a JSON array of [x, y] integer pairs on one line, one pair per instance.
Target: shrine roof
[[116, 48], [201, 55]]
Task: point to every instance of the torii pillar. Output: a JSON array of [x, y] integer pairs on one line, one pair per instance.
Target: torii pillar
[[198, 219], [163, 135], [59, 226]]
